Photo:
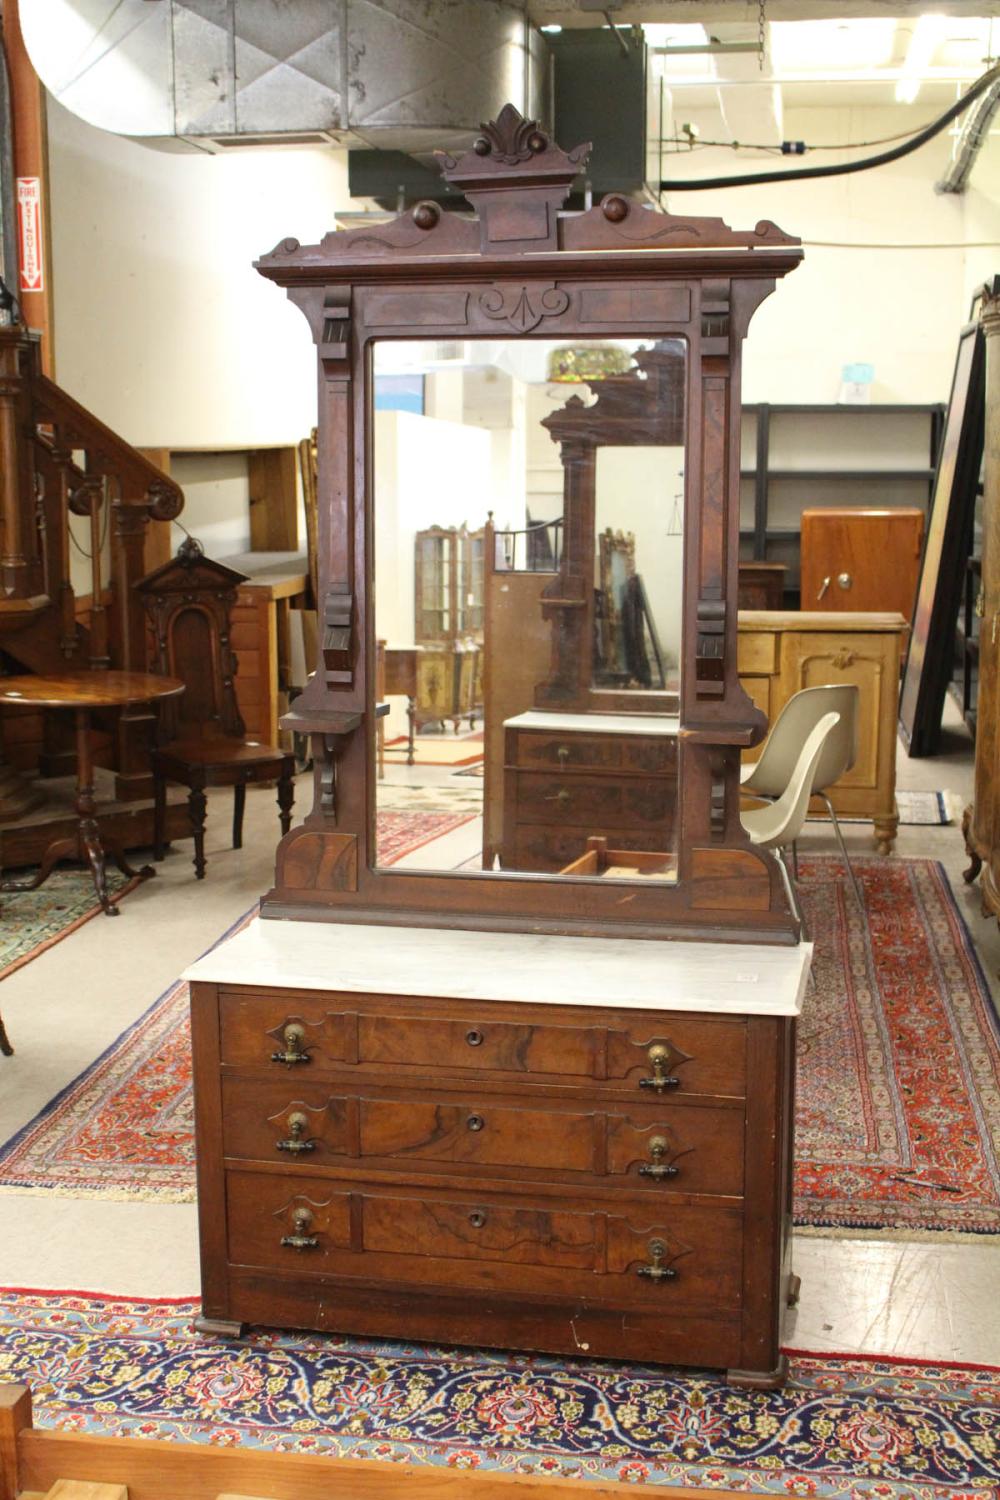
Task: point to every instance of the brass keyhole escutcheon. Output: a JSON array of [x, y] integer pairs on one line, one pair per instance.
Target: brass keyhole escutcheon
[[656, 1271], [656, 1167], [475, 1122], [474, 1037], [477, 1218], [659, 1057], [300, 1238], [296, 1143], [294, 1036]]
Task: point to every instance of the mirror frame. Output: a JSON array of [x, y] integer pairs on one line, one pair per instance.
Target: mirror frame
[[519, 267]]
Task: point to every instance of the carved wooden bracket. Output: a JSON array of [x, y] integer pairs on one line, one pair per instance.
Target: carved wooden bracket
[[710, 650], [338, 644], [335, 339]]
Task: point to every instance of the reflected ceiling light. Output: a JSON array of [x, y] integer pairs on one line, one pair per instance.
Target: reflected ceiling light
[[924, 38], [823, 46]]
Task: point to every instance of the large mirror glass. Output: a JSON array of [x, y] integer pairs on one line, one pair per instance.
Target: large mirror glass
[[528, 587]]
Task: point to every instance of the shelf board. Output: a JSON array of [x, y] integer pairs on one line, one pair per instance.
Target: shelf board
[[924, 475], [881, 407]]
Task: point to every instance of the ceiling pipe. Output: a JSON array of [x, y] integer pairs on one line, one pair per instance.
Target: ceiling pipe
[[972, 140]]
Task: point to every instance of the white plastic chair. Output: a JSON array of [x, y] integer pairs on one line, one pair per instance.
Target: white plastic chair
[[769, 775], [779, 823]]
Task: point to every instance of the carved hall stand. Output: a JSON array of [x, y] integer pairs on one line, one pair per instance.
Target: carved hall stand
[[508, 1120]]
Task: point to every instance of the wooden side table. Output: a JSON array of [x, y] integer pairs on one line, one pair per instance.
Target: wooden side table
[[83, 692]]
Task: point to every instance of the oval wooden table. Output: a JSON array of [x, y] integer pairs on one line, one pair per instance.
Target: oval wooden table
[[83, 692]]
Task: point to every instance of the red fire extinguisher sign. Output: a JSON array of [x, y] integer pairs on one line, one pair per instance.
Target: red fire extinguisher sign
[[29, 223]]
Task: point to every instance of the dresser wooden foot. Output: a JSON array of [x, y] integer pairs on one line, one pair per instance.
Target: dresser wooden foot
[[761, 1380], [794, 1288], [219, 1327]]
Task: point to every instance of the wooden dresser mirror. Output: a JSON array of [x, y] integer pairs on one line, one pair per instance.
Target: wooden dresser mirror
[[604, 681]]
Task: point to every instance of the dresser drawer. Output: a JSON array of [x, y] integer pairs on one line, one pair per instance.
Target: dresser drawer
[[462, 1239], [652, 755], [695, 1054], [657, 1148], [538, 847], [609, 802], [289, 1030]]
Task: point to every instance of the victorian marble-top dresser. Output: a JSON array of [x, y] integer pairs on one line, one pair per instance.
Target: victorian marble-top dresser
[[577, 1145]]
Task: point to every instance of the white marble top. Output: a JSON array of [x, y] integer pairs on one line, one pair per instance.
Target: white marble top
[[635, 973], [667, 724]]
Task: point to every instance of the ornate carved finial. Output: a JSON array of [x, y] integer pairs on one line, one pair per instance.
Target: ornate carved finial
[[515, 158], [512, 141], [190, 551]]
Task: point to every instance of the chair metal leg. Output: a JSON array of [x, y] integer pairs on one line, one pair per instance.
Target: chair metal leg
[[797, 911], [795, 858], [843, 849]]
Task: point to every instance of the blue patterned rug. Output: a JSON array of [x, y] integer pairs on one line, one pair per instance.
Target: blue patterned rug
[[864, 1429]]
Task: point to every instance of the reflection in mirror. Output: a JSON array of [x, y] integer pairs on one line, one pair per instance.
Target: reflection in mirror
[[528, 531]]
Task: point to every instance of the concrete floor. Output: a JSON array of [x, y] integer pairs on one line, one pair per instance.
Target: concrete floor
[[930, 1299]]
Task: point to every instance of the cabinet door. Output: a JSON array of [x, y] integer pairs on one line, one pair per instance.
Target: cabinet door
[[871, 662], [861, 559]]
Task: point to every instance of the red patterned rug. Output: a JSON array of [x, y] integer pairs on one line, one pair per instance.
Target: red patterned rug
[[844, 1428], [898, 1108]]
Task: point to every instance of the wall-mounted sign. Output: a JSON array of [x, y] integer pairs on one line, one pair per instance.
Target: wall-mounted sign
[[29, 226]]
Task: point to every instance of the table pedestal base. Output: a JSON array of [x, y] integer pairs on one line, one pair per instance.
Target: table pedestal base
[[86, 846]]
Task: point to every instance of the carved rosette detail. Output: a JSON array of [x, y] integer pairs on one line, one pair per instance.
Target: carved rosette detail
[[524, 307]]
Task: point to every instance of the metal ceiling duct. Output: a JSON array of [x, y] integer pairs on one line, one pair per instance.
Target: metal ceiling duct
[[972, 140], [408, 75]]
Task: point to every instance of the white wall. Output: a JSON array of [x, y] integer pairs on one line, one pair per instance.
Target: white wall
[[635, 490], [162, 326], [900, 309]]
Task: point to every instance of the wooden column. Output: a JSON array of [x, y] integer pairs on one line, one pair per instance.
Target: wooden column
[[31, 165]]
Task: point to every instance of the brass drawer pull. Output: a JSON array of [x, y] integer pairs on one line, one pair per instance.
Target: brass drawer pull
[[294, 1035], [657, 1271], [477, 1218], [295, 1144], [659, 1056], [300, 1240], [562, 797], [474, 1037], [475, 1122], [563, 754], [657, 1168]]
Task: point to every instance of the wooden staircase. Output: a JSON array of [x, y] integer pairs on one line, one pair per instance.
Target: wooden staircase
[[56, 460]]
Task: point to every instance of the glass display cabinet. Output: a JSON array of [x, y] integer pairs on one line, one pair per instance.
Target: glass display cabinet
[[508, 1056]]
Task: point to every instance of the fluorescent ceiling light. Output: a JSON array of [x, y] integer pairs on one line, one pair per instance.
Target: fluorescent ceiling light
[[681, 34], [924, 38], [825, 46]]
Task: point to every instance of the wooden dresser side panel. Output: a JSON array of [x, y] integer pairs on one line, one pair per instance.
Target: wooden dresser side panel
[[515, 660], [211, 1174]]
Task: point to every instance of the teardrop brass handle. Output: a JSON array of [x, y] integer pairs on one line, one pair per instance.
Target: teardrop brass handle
[[294, 1036], [657, 1168], [296, 1144], [300, 1240], [656, 1271], [659, 1056]]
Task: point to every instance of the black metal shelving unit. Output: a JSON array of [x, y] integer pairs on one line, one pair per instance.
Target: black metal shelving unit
[[756, 540]]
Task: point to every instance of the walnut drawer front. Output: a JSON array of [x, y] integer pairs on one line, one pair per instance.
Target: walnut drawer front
[[658, 1056], [609, 801], [538, 846], [689, 1256], [655, 1148], [653, 755]]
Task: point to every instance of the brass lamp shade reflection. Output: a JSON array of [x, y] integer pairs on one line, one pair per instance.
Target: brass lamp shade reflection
[[590, 362]]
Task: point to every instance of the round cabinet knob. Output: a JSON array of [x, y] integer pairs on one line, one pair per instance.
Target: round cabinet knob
[[845, 580], [477, 1218], [475, 1122], [474, 1037]]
